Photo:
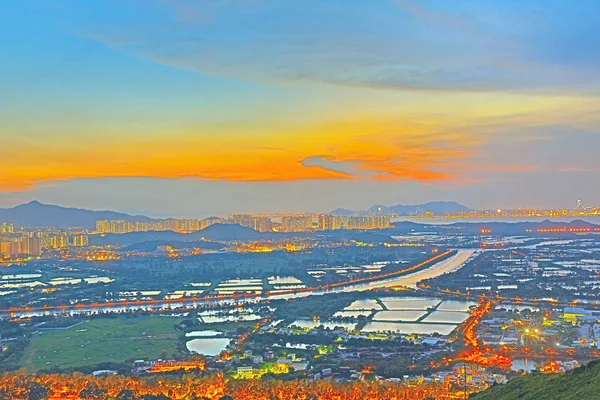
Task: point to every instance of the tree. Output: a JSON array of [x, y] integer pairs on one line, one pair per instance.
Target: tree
[[37, 392], [92, 392], [126, 394]]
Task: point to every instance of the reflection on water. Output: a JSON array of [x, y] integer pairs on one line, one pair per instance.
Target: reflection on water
[[456, 305], [208, 347], [409, 303], [406, 315], [450, 317], [523, 364], [20, 276], [203, 334], [364, 304], [283, 280], [352, 314]]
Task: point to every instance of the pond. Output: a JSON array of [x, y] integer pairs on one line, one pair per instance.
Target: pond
[[456, 305], [449, 317], [523, 364], [208, 346], [406, 315], [282, 280], [203, 334], [352, 314], [364, 304], [409, 303], [21, 276]]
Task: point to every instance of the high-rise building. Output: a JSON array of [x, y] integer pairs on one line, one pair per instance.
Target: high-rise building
[[31, 246], [9, 248], [176, 225], [325, 222], [258, 223], [335, 222], [28, 246], [103, 226], [295, 223], [59, 241], [6, 228], [80, 240]]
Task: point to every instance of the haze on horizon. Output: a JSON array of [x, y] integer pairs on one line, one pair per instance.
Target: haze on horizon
[[196, 108]]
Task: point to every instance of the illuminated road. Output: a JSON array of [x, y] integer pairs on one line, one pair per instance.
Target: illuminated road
[[403, 277]]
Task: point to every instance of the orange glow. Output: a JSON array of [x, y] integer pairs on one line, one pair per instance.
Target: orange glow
[[170, 366], [216, 386], [474, 353], [374, 148]]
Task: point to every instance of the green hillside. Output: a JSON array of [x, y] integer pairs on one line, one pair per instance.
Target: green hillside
[[583, 383]]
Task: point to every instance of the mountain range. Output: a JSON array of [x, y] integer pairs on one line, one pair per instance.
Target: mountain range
[[434, 207], [37, 214]]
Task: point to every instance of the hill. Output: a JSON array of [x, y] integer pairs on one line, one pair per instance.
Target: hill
[[152, 245], [434, 207], [582, 383], [222, 232], [38, 214]]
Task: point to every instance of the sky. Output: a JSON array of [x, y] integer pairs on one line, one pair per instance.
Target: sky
[[193, 108]]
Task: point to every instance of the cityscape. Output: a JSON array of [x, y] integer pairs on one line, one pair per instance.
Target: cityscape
[[341, 303], [299, 200]]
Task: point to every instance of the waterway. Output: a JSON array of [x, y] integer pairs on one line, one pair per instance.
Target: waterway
[[447, 265]]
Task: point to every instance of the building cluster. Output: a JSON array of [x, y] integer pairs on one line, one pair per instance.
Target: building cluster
[[296, 223], [328, 222], [11, 247], [32, 243], [176, 225], [259, 223], [310, 222], [6, 228]]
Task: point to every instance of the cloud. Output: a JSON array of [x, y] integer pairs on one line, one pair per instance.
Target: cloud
[[382, 46]]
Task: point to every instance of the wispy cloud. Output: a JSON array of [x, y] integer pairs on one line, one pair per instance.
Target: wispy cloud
[[401, 47]]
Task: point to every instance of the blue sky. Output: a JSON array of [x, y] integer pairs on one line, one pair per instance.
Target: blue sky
[[194, 108]]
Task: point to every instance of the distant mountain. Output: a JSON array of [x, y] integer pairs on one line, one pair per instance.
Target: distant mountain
[[221, 232], [434, 207], [152, 245], [38, 214], [231, 232], [344, 211]]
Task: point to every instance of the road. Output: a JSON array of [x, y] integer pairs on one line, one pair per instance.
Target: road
[[449, 264]]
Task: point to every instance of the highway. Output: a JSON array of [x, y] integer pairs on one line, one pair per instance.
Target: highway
[[446, 265]]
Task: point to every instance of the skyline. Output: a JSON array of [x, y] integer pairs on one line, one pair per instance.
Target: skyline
[[170, 107], [434, 209]]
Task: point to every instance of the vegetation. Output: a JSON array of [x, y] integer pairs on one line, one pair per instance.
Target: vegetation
[[582, 383], [102, 340], [215, 387]]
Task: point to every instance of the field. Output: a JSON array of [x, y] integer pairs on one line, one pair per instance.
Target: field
[[102, 340]]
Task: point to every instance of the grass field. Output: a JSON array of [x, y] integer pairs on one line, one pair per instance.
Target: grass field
[[102, 340]]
